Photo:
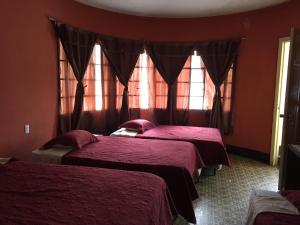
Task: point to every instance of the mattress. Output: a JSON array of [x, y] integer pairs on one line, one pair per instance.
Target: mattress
[[174, 161], [207, 140], [44, 194]]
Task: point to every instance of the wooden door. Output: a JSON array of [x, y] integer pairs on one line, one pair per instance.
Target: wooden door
[[291, 124]]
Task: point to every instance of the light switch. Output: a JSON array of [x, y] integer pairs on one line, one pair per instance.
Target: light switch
[[27, 129]]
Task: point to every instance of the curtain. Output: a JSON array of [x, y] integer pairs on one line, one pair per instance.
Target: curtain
[[183, 83], [122, 55], [227, 92], [147, 90], [218, 57], [66, 93], [100, 97], [111, 115], [89, 117], [78, 46], [138, 88], [169, 60]]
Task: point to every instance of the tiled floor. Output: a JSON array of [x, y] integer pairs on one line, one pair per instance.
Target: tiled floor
[[224, 198]]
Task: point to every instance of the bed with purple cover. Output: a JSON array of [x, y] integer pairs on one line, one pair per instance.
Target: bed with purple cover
[[47, 194], [207, 140], [271, 218], [174, 161]]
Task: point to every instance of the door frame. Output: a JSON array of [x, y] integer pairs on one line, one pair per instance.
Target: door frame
[[274, 141]]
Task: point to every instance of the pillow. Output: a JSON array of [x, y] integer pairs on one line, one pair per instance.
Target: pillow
[[75, 139], [139, 124], [4, 160]]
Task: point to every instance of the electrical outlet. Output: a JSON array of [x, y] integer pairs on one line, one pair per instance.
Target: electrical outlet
[[26, 128]]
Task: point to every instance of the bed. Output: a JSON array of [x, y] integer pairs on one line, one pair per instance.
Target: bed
[[207, 140], [275, 212], [44, 194], [175, 162]]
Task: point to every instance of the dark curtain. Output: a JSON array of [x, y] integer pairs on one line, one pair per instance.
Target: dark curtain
[[218, 57], [78, 46], [183, 85], [99, 114], [112, 115], [169, 59], [122, 55]]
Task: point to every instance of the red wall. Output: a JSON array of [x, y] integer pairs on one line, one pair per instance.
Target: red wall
[[28, 63]]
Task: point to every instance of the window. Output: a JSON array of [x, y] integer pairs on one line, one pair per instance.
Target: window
[[161, 91], [226, 91], [98, 75], [191, 84], [92, 82], [144, 90], [195, 89], [138, 88]]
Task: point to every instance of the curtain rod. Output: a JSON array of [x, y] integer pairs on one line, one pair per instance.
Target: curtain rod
[[54, 20]]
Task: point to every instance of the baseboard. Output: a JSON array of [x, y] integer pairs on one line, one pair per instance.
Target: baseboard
[[250, 153]]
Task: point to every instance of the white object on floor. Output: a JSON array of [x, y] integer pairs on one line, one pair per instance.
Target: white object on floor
[[123, 132], [268, 201], [4, 160], [52, 155]]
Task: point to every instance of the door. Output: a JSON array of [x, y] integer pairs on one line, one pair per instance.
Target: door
[[291, 122], [280, 95]]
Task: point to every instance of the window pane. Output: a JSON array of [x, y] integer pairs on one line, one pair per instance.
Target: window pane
[[67, 88], [228, 90], [134, 88], [66, 105], [197, 75], [161, 102], [135, 76], [229, 78], [161, 89], [62, 69], [184, 76], [182, 102], [133, 102], [196, 61], [138, 84], [98, 72], [183, 89], [119, 94], [89, 103], [144, 86], [196, 102], [118, 101], [222, 88], [197, 89], [158, 77], [66, 71], [226, 104], [98, 93], [97, 54], [62, 55], [143, 60]]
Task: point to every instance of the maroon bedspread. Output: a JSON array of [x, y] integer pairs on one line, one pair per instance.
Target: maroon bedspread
[[173, 161], [41, 194], [280, 218], [208, 141]]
